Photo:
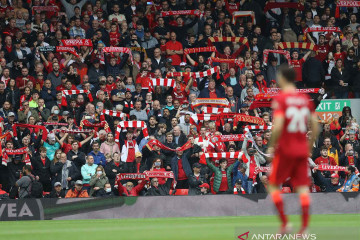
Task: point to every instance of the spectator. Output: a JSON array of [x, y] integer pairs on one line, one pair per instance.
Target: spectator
[[77, 191], [88, 171], [196, 179], [99, 157], [129, 189], [159, 190], [98, 182], [41, 169], [352, 181], [57, 192], [25, 183]]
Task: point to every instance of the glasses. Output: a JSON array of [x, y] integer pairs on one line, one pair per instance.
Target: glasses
[[130, 185]]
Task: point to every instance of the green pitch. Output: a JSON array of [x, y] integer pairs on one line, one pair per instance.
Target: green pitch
[[339, 227]]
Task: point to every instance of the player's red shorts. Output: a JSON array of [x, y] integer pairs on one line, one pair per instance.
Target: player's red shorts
[[286, 167]]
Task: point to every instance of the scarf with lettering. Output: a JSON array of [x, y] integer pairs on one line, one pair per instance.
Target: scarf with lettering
[[44, 131], [210, 101], [295, 5], [54, 124], [259, 170], [238, 62], [121, 50], [283, 52], [67, 49], [77, 42], [102, 124], [180, 12], [74, 131], [144, 176], [11, 152], [228, 138], [322, 29], [329, 168], [238, 117], [197, 50], [260, 104], [345, 3]]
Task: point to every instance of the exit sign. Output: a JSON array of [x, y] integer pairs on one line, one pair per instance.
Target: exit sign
[[327, 108]]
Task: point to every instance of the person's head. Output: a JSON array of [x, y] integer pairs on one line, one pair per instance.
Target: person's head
[[63, 157], [173, 36], [110, 138], [155, 182], [324, 152], [100, 170], [90, 160], [78, 185], [26, 170], [223, 163], [158, 163], [350, 170], [286, 76], [327, 142], [212, 84], [42, 152], [177, 131], [196, 168], [334, 179], [75, 145], [339, 63], [95, 147], [169, 137]]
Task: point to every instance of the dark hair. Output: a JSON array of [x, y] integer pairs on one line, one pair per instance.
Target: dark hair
[[288, 73], [323, 148], [27, 168], [222, 160], [351, 169]]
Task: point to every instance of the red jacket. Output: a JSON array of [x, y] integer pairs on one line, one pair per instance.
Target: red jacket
[[134, 191]]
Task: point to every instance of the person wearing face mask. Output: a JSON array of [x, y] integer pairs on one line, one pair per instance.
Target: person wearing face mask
[[98, 181], [351, 183], [105, 192]]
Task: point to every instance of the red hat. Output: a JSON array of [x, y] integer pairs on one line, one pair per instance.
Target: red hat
[[205, 185], [99, 10], [334, 175]]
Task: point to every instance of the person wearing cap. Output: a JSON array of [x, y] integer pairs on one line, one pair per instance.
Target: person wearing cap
[[57, 192], [77, 191], [196, 180], [238, 189], [239, 173], [17, 53], [331, 184]]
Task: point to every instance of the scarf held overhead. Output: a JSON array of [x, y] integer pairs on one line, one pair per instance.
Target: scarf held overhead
[[77, 42], [180, 12], [67, 49], [210, 101], [44, 131], [283, 52], [155, 142], [121, 50], [272, 5]]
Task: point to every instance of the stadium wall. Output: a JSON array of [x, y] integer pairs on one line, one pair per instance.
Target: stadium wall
[[170, 206]]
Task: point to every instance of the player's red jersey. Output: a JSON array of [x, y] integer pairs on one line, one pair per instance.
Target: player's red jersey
[[297, 65], [291, 152], [296, 108]]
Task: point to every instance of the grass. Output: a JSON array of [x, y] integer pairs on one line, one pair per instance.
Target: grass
[[343, 227]]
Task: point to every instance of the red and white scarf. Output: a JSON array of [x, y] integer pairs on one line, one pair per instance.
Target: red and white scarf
[[54, 124], [67, 49], [260, 104], [254, 127], [238, 117], [119, 49], [345, 3], [156, 142], [115, 114], [44, 130], [144, 176], [272, 91], [259, 170], [74, 131], [20, 151], [238, 14], [130, 124], [180, 12], [228, 138], [102, 124], [77, 42], [72, 92], [215, 110], [164, 82], [283, 52], [210, 101], [225, 155], [329, 168]]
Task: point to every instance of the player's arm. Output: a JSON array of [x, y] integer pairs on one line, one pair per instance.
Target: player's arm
[[314, 130]]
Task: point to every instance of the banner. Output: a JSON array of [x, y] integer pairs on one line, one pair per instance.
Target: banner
[[77, 42], [67, 49], [215, 110], [238, 62], [47, 48], [345, 3], [40, 9], [210, 101], [102, 124], [74, 131], [238, 14], [180, 12]]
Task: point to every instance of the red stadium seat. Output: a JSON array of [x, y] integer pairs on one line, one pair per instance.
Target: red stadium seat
[[182, 192]]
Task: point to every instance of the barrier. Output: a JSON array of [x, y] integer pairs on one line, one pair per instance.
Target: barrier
[[171, 206]]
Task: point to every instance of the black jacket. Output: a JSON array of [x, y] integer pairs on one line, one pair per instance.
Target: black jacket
[[79, 160], [325, 183], [194, 184], [161, 190], [181, 141], [41, 170], [14, 171], [313, 72], [54, 194], [56, 171], [112, 175]]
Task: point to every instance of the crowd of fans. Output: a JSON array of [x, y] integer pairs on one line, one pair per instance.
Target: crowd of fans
[[34, 77]]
